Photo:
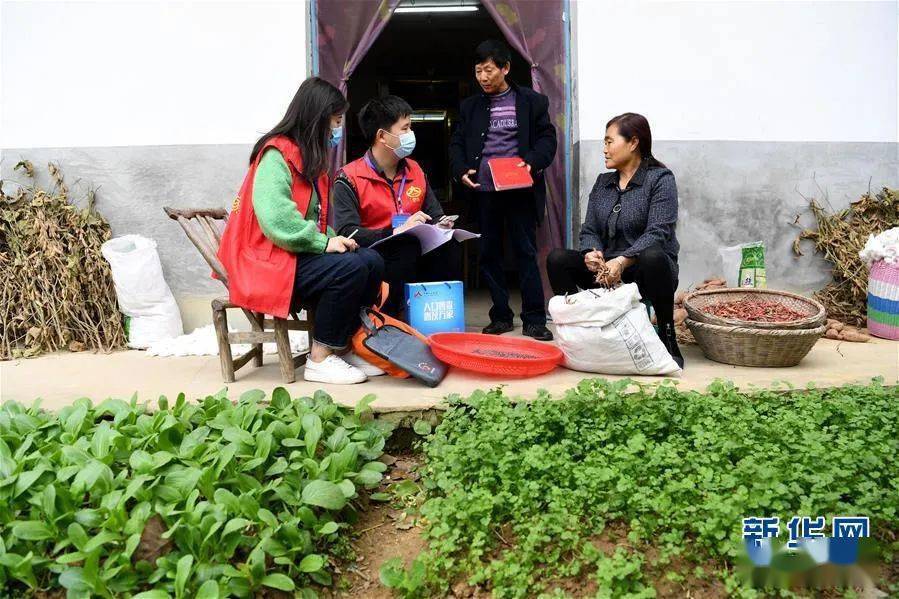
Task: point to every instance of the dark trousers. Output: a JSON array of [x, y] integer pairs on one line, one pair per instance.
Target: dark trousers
[[337, 286], [404, 263], [516, 211], [652, 273]]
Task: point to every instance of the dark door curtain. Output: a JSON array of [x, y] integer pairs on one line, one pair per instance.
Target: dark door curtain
[[348, 28]]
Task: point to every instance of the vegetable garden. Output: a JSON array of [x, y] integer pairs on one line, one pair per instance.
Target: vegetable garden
[[615, 490]]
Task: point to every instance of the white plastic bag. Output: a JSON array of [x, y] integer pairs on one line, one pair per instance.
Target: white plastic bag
[[608, 331], [203, 342], [143, 294], [882, 247], [744, 265]]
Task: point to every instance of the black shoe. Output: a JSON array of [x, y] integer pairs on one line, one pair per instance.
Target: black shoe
[[497, 327], [538, 332], [669, 340]]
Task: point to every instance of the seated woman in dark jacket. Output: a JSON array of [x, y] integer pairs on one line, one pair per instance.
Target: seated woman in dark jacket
[[629, 228]]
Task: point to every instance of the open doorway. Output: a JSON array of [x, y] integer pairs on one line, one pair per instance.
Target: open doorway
[[427, 59]]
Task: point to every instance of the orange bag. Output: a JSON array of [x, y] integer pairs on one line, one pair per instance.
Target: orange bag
[[379, 319]]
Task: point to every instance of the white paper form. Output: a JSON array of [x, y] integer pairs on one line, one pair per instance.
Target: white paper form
[[431, 236]]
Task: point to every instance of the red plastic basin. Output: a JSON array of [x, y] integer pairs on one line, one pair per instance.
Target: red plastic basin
[[490, 354]]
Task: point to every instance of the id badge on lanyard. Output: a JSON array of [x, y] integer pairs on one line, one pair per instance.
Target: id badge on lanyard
[[399, 196], [399, 219]]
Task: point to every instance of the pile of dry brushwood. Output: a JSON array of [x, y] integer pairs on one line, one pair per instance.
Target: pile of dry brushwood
[[840, 236], [56, 289]]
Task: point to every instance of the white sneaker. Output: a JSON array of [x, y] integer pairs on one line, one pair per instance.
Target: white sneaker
[[333, 370], [354, 359]]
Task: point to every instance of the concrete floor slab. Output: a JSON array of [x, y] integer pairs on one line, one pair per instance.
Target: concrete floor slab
[[59, 379]]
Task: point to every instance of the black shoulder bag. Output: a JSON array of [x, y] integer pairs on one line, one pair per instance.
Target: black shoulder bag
[[401, 349]]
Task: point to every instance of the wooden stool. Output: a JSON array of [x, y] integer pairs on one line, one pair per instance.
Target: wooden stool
[[204, 228]]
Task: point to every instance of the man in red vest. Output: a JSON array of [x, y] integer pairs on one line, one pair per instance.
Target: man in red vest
[[384, 193]]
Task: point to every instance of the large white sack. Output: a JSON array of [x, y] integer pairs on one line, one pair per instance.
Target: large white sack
[[143, 294], [608, 331]]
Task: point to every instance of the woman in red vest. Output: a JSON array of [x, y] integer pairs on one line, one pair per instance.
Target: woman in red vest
[[277, 249]]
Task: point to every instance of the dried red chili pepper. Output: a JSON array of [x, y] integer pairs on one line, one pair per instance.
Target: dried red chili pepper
[[754, 311]]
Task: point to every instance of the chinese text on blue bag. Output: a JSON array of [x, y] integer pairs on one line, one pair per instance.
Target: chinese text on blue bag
[[436, 307]]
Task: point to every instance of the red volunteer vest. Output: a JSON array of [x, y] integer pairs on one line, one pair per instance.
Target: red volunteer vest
[[260, 274], [378, 202]]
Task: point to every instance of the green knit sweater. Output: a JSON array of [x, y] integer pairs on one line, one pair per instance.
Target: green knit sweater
[[277, 213]]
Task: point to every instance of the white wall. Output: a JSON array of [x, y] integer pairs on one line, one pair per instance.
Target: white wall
[[147, 73], [760, 70], [78, 74]]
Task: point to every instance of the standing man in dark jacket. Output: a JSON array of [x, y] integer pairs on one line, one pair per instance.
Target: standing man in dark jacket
[[506, 120]]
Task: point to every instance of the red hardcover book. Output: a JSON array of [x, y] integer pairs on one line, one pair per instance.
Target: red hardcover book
[[508, 175]]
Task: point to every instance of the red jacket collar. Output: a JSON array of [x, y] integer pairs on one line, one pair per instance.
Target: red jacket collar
[[373, 170]]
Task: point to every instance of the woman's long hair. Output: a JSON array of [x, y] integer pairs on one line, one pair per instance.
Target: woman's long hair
[[631, 125], [308, 123]]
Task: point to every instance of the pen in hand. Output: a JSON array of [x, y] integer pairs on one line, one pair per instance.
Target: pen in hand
[[352, 245]]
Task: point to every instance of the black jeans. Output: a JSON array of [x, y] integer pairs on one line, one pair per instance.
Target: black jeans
[[404, 263], [516, 210], [337, 285], [652, 273]]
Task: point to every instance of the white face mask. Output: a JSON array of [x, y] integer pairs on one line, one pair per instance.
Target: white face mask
[[407, 143]]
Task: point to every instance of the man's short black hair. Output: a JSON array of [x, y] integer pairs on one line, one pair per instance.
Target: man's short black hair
[[493, 50], [381, 113]]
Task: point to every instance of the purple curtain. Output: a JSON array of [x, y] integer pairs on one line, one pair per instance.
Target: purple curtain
[[346, 30], [537, 31]]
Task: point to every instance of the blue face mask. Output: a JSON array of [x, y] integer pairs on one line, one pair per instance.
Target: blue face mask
[[407, 144], [336, 136]]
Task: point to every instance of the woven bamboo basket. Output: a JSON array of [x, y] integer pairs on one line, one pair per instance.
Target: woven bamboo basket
[[815, 314], [743, 346]]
